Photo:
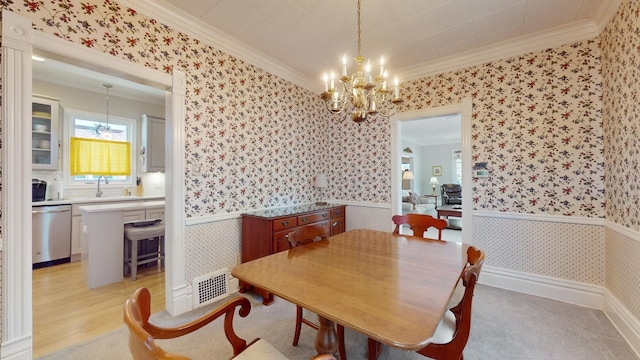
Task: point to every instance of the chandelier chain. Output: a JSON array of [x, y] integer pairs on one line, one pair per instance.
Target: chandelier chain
[[359, 52]]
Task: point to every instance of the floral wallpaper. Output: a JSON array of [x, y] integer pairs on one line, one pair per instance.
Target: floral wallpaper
[[537, 122], [621, 106], [255, 140], [250, 136]]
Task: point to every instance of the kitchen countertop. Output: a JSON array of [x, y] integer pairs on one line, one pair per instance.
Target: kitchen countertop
[[135, 205], [97, 200]]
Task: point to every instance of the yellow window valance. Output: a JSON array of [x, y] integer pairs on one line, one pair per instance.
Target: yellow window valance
[[99, 157]]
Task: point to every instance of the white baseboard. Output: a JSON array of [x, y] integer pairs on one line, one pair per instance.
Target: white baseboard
[[628, 326], [182, 301], [183, 298], [17, 350], [587, 295], [591, 296]]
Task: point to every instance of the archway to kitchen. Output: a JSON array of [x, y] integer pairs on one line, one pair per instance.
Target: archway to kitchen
[[17, 78]]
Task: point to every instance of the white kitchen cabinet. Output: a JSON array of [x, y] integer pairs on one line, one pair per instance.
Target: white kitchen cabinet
[[45, 113], [157, 213], [153, 144], [133, 215]]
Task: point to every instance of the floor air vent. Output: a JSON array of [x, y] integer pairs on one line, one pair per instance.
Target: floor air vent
[[209, 288]]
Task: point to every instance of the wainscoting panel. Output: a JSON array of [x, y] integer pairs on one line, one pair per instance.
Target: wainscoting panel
[[623, 268], [367, 217], [211, 246], [563, 250]]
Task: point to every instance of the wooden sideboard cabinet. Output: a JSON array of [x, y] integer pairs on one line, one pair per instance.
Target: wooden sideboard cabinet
[[265, 232]]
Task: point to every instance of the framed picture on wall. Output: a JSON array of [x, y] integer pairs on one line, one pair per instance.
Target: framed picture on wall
[[437, 171]]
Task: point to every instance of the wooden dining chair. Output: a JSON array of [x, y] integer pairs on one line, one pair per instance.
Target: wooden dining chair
[[142, 333], [302, 236], [419, 223], [452, 333]]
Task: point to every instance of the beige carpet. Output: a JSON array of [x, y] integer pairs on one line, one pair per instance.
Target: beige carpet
[[506, 325]]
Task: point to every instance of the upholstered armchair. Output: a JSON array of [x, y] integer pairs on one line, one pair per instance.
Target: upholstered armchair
[[451, 194]]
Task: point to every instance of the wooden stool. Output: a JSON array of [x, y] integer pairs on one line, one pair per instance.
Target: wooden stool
[[134, 234]]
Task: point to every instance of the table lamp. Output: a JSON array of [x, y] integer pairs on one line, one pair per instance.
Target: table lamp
[[321, 182], [407, 175], [433, 182]]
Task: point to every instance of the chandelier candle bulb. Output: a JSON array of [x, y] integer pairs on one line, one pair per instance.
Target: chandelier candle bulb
[[381, 66], [344, 65], [331, 87], [325, 77], [396, 91]]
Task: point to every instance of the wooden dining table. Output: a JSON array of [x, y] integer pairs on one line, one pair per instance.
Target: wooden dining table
[[391, 288]]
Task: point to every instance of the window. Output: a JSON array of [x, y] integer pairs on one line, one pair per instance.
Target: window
[[456, 165], [89, 125]]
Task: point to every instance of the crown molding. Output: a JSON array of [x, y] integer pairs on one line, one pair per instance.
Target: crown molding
[[605, 12], [185, 23], [581, 30]]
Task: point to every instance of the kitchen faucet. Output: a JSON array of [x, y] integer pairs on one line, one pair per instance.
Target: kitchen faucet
[[106, 182]]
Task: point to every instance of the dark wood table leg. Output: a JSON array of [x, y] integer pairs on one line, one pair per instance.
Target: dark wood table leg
[[267, 297], [326, 338]]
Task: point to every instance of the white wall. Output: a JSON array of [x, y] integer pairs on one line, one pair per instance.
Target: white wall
[[436, 155]]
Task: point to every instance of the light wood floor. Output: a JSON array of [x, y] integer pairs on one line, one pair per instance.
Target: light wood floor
[[67, 312]]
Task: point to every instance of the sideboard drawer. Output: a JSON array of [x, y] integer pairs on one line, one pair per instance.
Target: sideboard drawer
[[337, 212], [312, 218], [283, 224]]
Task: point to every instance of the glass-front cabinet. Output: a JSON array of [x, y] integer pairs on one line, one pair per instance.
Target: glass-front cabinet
[[44, 133]]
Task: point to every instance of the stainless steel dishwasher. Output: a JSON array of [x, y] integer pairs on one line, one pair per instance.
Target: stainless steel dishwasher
[[51, 235]]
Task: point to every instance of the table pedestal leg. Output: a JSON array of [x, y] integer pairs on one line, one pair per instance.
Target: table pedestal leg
[[326, 338]]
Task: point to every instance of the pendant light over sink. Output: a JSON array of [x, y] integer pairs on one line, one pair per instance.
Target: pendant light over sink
[[105, 131], [100, 156]]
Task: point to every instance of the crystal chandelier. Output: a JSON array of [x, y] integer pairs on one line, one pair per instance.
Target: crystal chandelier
[[367, 95]]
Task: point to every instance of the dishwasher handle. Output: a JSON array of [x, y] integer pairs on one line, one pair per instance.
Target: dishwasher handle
[[49, 211]]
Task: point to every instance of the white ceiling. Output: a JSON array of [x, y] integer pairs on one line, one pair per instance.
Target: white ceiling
[[61, 73], [433, 131], [311, 36]]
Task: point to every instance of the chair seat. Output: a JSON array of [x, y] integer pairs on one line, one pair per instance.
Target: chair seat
[[149, 253], [262, 350], [144, 232], [445, 330]]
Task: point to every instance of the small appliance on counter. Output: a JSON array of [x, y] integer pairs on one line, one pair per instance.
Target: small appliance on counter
[[55, 190], [38, 190]]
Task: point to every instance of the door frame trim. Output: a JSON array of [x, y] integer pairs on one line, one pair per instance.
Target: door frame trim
[[19, 41]]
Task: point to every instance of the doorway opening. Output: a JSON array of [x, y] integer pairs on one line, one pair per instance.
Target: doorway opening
[[17, 45], [463, 110]]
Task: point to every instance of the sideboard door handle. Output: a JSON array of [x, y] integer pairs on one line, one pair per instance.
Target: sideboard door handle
[[324, 216], [304, 219], [285, 223]]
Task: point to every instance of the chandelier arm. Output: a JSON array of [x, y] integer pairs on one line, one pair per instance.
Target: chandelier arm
[[337, 109]]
